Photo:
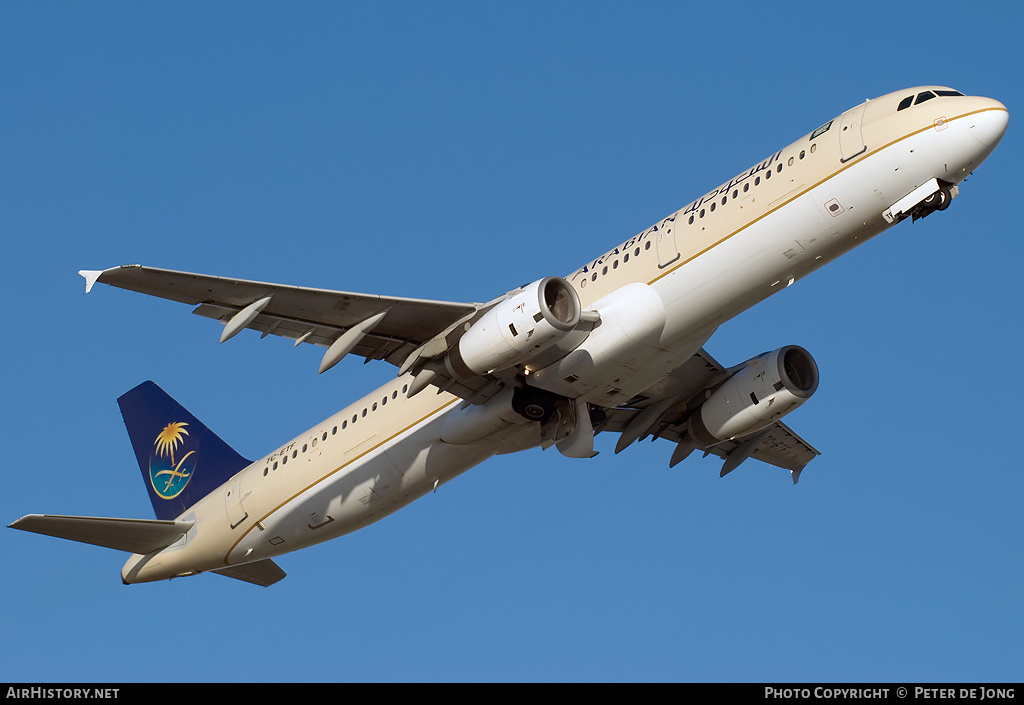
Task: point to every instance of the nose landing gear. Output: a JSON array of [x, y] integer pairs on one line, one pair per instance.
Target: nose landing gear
[[931, 196], [938, 201]]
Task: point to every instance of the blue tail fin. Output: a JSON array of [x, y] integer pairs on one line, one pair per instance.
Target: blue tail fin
[[181, 459]]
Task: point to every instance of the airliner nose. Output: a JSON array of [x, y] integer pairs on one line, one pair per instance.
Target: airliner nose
[[990, 124]]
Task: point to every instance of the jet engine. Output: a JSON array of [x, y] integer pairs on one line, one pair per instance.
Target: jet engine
[[517, 329], [760, 392]]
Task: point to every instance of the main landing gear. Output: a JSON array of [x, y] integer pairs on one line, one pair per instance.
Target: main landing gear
[[534, 404]]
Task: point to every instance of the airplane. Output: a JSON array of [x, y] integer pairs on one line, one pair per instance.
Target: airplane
[[616, 346]]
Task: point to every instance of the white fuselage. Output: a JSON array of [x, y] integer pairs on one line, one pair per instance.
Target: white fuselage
[[660, 296]]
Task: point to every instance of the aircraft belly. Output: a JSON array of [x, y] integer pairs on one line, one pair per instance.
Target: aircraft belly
[[337, 505], [749, 266], [380, 483]]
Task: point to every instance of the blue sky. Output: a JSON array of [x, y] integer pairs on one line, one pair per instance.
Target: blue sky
[[454, 150]]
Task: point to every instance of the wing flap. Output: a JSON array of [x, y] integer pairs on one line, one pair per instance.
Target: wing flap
[[133, 535], [372, 346], [785, 449], [780, 447]]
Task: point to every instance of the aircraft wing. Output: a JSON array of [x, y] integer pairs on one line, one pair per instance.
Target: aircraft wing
[[373, 327], [662, 410]]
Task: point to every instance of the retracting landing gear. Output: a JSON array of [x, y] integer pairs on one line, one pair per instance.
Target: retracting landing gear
[[931, 196], [534, 404], [565, 423], [938, 201]]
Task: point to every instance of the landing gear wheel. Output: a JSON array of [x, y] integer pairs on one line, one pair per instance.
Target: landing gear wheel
[[535, 412], [938, 201], [533, 404]]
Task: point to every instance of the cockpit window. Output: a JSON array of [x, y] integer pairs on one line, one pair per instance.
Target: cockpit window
[[926, 95]]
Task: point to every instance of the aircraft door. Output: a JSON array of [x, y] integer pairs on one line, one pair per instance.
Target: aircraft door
[[665, 243], [233, 502], [851, 135]]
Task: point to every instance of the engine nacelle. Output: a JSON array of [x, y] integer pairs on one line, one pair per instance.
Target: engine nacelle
[[761, 392], [517, 329]]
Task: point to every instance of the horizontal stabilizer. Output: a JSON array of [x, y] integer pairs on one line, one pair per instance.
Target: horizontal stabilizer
[[264, 572], [132, 535]]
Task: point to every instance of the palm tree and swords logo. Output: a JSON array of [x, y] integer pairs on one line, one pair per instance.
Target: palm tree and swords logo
[[167, 474]]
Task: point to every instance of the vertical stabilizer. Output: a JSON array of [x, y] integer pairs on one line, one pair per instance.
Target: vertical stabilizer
[[181, 459]]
